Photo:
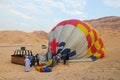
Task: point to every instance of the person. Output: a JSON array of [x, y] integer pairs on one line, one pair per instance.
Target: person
[[65, 58], [35, 61], [27, 64], [31, 59], [57, 58], [65, 55], [37, 58]]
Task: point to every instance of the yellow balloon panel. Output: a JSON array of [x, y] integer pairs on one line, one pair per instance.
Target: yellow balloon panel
[[44, 66], [89, 53], [38, 68], [103, 49], [97, 45], [92, 36], [97, 55], [98, 35], [49, 62], [82, 28]]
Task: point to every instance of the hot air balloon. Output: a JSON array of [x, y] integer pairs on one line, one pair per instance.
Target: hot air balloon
[[78, 39]]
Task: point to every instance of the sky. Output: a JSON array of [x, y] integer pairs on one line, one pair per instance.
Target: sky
[[43, 15]]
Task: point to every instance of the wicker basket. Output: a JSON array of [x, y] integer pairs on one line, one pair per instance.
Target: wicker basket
[[18, 60]]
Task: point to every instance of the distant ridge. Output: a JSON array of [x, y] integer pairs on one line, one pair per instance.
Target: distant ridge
[[40, 34], [20, 37], [111, 23]]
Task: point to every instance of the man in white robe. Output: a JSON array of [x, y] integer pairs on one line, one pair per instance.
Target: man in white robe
[[27, 64]]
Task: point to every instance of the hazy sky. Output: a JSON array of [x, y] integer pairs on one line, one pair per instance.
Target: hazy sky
[[31, 15]]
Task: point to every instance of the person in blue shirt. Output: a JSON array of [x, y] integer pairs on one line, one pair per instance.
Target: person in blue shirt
[[31, 59]]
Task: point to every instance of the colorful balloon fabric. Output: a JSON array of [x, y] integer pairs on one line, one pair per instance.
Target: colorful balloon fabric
[[45, 67], [78, 39]]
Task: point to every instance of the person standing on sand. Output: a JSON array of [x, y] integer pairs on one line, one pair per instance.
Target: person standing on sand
[[27, 64], [65, 58], [31, 59], [37, 58]]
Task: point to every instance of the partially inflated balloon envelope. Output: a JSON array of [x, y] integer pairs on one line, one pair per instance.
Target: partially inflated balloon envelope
[[76, 38]]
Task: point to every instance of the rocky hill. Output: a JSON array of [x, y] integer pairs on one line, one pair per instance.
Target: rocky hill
[[20, 37], [40, 34], [106, 24]]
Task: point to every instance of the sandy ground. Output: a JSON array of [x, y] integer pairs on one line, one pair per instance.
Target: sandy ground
[[107, 68]]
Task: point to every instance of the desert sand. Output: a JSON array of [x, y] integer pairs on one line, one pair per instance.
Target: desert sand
[[107, 68]]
